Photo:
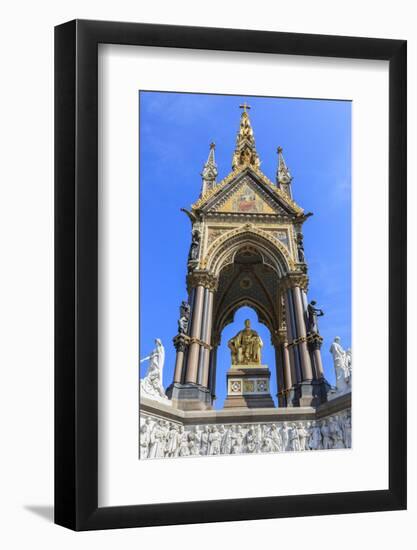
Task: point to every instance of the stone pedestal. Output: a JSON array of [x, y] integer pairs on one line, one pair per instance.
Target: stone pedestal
[[189, 397], [248, 387]]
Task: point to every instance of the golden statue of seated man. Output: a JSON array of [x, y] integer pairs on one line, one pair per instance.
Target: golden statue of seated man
[[246, 346]]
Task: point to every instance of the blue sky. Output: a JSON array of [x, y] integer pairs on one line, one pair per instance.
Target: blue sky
[[175, 132]]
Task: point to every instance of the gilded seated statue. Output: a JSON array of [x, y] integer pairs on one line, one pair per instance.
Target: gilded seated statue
[[246, 346]]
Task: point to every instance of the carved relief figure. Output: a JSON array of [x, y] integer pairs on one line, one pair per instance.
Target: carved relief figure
[[144, 440], [173, 440], [204, 448], [159, 438], [336, 433], [225, 442], [294, 438], [325, 432], [285, 436], [250, 441], [194, 442], [157, 441], [183, 443], [302, 435], [314, 441], [276, 438], [215, 440], [246, 346]]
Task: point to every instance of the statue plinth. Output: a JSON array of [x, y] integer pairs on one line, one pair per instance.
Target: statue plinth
[[248, 387], [250, 366]]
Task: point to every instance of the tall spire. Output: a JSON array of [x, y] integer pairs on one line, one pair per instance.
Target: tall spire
[[209, 173], [245, 152], [283, 176]]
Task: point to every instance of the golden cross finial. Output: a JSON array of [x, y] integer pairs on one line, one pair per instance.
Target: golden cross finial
[[245, 106]]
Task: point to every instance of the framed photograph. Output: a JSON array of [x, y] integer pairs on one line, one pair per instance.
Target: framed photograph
[[230, 275]]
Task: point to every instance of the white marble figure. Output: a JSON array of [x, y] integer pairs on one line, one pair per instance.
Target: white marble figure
[[205, 441], [173, 441], [144, 440], [157, 441], [276, 438], [215, 441], [342, 361], [194, 442], [151, 385], [315, 437], [336, 433], [267, 443], [285, 434], [347, 431], [250, 441], [325, 432], [302, 436], [294, 438], [183, 448], [226, 442]]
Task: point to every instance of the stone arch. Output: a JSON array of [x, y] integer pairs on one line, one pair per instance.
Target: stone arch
[[223, 250], [228, 314]]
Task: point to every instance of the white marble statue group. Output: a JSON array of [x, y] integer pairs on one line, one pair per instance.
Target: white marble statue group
[[151, 385], [164, 439], [342, 360]]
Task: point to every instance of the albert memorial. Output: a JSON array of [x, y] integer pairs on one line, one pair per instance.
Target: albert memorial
[[246, 249]]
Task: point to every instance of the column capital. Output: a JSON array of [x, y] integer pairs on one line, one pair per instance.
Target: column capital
[[181, 341], [278, 337], [200, 277], [292, 280], [314, 340]]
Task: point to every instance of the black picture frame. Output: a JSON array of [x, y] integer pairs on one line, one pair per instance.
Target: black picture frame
[[76, 272]]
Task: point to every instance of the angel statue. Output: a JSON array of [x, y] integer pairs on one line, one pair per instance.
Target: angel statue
[[151, 385]]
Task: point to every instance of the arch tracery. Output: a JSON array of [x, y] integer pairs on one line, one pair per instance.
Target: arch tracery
[[223, 249]]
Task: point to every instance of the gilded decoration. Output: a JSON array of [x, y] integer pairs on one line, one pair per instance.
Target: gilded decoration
[[202, 278], [246, 199], [245, 152], [213, 234], [248, 386], [246, 346], [280, 195]]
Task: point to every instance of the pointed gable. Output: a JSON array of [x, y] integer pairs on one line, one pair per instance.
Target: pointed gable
[[247, 191]]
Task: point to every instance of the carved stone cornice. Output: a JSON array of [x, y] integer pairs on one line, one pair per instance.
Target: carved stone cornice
[[293, 280], [202, 278]]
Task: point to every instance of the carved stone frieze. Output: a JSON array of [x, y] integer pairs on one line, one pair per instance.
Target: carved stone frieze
[[160, 438]]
